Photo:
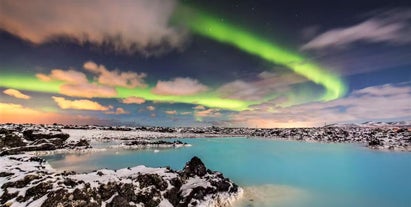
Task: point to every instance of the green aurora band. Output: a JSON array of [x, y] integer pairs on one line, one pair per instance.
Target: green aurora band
[[31, 83], [205, 25], [211, 27]]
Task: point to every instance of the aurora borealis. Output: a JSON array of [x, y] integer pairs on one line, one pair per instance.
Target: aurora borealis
[[31, 83], [224, 32], [199, 64]]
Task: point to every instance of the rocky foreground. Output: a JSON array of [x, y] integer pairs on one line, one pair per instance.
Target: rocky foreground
[[29, 181], [18, 139], [26, 180]]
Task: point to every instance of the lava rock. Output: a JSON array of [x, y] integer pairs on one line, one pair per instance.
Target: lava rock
[[119, 201], [82, 143], [146, 180], [195, 167], [21, 183], [375, 142], [37, 191], [9, 140]]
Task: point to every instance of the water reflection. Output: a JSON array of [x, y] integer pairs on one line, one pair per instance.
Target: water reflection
[[269, 195]]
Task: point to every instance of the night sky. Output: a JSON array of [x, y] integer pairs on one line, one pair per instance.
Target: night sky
[[201, 63]]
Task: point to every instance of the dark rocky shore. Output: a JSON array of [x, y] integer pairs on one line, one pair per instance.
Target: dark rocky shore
[[26, 180], [20, 139]]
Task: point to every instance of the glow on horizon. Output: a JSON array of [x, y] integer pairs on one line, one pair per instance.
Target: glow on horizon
[[211, 27]]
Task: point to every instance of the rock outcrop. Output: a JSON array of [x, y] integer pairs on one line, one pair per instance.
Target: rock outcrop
[[16, 140], [27, 180]]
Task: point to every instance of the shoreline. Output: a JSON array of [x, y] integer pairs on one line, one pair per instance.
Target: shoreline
[[27, 180], [396, 138], [68, 141], [387, 139]]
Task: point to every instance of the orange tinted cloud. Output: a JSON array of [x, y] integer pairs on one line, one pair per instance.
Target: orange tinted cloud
[[151, 108], [179, 87], [199, 107], [208, 113], [265, 84], [115, 78], [15, 93], [119, 110], [77, 85], [68, 76], [171, 112], [82, 104], [133, 100], [200, 112], [87, 90]]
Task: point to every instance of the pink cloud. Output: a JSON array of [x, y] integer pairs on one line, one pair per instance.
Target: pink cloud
[[68, 76], [82, 104], [118, 111], [76, 84], [15, 93], [171, 112], [266, 83], [133, 100], [87, 90], [179, 87], [151, 108], [115, 77], [390, 27], [368, 104]]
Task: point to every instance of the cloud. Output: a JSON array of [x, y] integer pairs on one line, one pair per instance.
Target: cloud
[[266, 83], [383, 90], [76, 84], [199, 107], [200, 112], [179, 87], [87, 90], [133, 100], [171, 112], [372, 103], [392, 27], [15, 93], [208, 113], [127, 26], [115, 78], [68, 76], [82, 104], [151, 108], [118, 111]]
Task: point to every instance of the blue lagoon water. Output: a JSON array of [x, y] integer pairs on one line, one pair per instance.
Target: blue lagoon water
[[278, 173]]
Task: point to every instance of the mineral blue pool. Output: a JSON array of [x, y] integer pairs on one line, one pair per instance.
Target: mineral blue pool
[[298, 174]]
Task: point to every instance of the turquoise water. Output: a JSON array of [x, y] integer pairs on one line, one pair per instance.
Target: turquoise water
[[298, 174]]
